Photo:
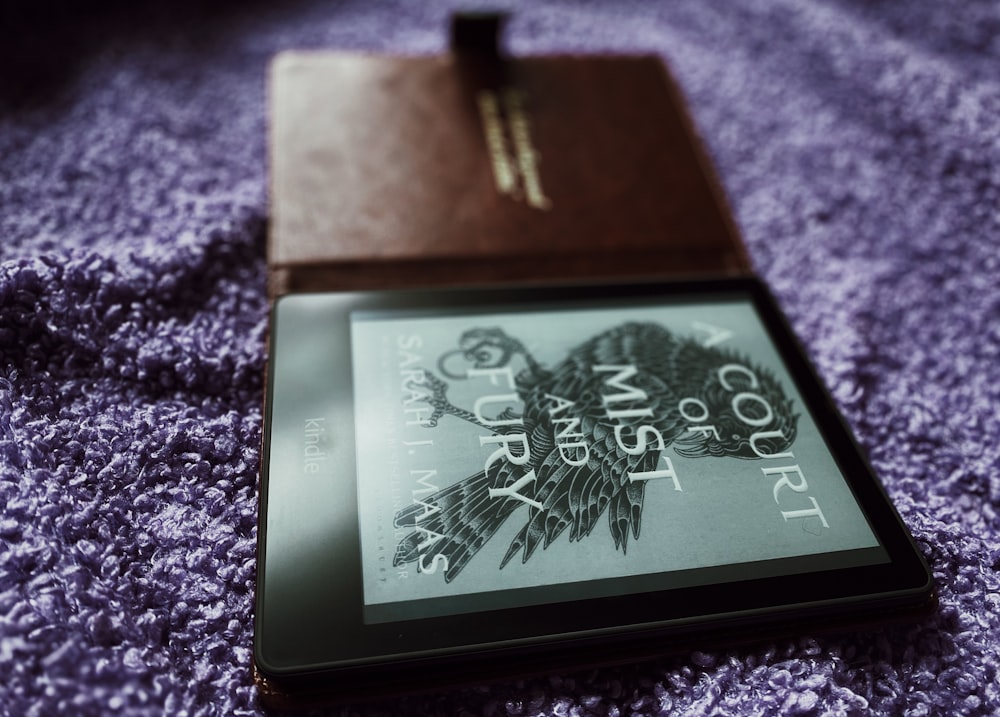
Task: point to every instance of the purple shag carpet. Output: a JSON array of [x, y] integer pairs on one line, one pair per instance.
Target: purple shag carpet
[[859, 144]]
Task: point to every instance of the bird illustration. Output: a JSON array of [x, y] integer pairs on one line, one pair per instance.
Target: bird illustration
[[589, 427]]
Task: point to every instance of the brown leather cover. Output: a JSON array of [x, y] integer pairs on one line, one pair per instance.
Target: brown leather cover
[[466, 168]]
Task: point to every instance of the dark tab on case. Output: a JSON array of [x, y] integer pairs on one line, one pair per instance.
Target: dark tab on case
[[477, 32]]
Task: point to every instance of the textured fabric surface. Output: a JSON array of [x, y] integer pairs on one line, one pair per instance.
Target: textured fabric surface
[[858, 142]]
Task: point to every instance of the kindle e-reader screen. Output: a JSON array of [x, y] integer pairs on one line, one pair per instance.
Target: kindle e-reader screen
[[534, 454]]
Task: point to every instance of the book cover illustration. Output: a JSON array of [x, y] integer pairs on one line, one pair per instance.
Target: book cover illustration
[[556, 447]]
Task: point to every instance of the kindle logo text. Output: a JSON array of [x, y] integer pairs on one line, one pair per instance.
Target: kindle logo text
[[314, 444]]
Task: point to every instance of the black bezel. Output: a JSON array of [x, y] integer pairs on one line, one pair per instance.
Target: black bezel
[[310, 631]]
